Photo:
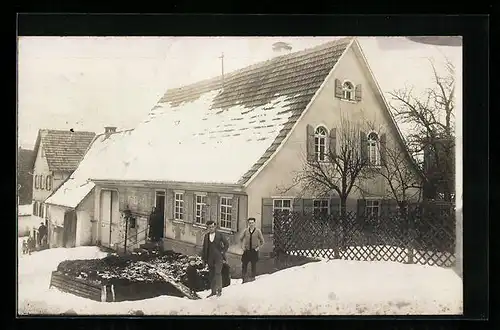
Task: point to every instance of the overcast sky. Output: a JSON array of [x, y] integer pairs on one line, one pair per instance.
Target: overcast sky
[[87, 83]]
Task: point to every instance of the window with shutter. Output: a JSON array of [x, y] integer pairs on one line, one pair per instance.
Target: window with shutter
[[348, 91], [363, 146], [383, 148], [310, 143], [189, 206], [320, 135], [338, 88], [358, 93], [333, 141], [267, 216], [321, 206], [226, 212], [236, 214]]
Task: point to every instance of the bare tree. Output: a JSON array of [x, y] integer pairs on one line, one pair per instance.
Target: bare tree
[[336, 168], [430, 118], [403, 181]]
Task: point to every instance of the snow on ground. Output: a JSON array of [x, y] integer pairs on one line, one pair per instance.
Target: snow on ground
[[321, 288]]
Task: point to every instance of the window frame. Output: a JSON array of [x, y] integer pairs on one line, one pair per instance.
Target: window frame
[[203, 210], [373, 146], [48, 183], [367, 207], [318, 137], [321, 207], [181, 207], [42, 182], [282, 207], [351, 90], [228, 212]]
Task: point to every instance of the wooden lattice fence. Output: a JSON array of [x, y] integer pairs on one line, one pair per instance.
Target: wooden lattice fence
[[421, 235]]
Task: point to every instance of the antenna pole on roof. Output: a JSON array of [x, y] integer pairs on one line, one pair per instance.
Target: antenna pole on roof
[[222, 64]]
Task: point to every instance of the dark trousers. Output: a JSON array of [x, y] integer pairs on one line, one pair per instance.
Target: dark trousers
[[215, 276], [249, 256]]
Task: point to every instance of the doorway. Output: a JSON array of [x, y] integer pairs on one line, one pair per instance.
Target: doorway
[[69, 229], [160, 199]]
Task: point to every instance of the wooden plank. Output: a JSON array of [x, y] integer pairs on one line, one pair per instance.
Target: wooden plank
[[78, 282], [76, 291], [72, 286], [179, 286]]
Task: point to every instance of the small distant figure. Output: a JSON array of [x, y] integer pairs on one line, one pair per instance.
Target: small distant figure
[[42, 235], [25, 246], [31, 245]]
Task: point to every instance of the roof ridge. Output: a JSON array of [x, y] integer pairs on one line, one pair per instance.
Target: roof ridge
[[250, 67], [65, 131]]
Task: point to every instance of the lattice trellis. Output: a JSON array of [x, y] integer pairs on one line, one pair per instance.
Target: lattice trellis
[[417, 237]]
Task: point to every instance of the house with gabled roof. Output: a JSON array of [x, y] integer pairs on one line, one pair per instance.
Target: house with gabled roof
[[220, 149], [71, 207], [57, 154]]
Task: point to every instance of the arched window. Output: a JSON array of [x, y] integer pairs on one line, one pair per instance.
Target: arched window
[[373, 149], [348, 90], [320, 135], [36, 181], [42, 182], [48, 183]]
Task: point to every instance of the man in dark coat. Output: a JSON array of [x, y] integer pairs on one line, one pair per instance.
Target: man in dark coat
[[42, 234], [215, 246], [153, 225]]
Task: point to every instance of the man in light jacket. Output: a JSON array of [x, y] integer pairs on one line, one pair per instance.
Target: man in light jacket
[[251, 241]]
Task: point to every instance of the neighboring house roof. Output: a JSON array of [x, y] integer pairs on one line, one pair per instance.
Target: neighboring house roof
[[26, 209], [63, 149], [24, 178], [97, 160], [205, 134]]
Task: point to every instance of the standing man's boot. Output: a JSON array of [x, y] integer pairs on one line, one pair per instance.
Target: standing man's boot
[[213, 293]]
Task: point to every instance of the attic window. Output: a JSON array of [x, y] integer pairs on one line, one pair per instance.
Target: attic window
[[42, 151], [348, 91]]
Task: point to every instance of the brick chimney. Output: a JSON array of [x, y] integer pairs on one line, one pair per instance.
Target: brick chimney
[[109, 129]]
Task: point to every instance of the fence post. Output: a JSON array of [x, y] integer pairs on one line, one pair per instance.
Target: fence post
[[410, 221], [338, 229]]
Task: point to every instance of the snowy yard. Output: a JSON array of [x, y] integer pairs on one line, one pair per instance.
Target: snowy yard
[[321, 288]]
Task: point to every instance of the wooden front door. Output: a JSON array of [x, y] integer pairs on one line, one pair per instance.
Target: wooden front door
[[105, 215], [69, 231], [114, 220]]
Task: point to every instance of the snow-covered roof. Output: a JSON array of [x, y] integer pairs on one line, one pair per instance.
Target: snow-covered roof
[[203, 133], [25, 209], [98, 160]]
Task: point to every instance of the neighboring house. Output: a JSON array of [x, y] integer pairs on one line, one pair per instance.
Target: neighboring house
[[71, 207], [57, 154], [25, 222], [24, 177], [221, 151], [439, 168]]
